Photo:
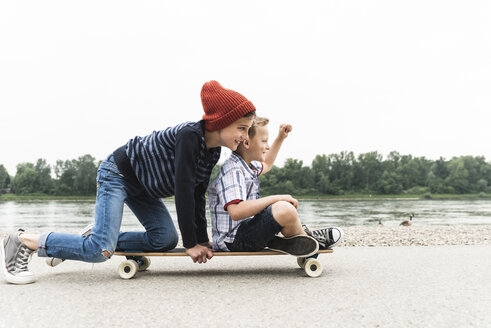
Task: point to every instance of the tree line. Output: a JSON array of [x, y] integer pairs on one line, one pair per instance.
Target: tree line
[[334, 174], [370, 173], [74, 177]]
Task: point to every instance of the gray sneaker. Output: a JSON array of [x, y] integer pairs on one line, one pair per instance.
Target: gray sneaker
[[327, 237], [15, 257], [53, 261], [300, 245]]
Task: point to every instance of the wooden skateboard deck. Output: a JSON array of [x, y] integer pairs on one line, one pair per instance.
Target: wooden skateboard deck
[[128, 268], [182, 252]]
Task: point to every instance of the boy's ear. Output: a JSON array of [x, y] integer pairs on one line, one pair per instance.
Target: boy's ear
[[245, 144]]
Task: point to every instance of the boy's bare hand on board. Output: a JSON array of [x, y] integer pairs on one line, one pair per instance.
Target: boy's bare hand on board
[[199, 253]]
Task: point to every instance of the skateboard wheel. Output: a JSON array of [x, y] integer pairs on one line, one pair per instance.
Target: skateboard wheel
[[313, 268], [143, 263], [127, 269], [301, 262]]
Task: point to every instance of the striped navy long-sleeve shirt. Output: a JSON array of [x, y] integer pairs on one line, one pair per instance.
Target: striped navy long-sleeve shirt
[[175, 161]]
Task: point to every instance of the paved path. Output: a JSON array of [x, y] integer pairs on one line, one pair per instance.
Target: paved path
[[441, 286]]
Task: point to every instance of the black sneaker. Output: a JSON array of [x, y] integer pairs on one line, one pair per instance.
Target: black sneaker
[[327, 237], [54, 261], [300, 245], [15, 257]]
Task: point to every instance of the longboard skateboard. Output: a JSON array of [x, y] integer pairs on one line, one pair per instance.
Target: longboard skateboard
[[140, 261]]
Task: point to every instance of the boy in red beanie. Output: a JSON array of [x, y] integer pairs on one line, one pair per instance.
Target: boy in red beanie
[[176, 162]]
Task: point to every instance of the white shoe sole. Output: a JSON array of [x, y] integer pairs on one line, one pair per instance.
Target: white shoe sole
[[54, 261], [13, 279]]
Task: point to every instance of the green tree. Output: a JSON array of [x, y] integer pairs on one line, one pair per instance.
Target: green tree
[[408, 171], [43, 177], [320, 174], [85, 178], [440, 169], [341, 173], [466, 173], [76, 176], [333, 174], [65, 172], [485, 172], [388, 184], [30, 178], [292, 171], [394, 158], [4, 177], [25, 179], [458, 177], [482, 185], [324, 186], [435, 179], [300, 177], [423, 167], [370, 165], [435, 184]]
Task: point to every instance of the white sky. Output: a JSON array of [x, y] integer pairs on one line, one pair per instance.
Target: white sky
[[83, 77]]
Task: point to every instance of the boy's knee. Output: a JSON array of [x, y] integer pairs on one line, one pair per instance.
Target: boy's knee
[[99, 256], [163, 241], [97, 253], [171, 241], [284, 211], [102, 254]]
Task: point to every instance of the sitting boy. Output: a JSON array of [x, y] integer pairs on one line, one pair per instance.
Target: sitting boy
[[241, 220]]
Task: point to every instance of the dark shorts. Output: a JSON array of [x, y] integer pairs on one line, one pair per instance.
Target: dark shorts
[[254, 234]]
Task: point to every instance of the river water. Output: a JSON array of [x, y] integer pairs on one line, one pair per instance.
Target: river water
[[62, 215]]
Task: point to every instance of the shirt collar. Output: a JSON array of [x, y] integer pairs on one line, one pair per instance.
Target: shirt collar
[[238, 159]]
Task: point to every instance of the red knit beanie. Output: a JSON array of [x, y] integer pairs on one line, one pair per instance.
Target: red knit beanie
[[222, 106]]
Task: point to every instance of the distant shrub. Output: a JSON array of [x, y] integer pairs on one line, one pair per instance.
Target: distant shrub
[[417, 190], [450, 190], [482, 184], [427, 195]]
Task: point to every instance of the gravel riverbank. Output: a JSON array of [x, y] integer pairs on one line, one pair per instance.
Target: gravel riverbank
[[417, 235]]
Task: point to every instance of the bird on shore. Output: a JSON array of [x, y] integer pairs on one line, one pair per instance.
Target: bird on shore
[[380, 224], [408, 223]]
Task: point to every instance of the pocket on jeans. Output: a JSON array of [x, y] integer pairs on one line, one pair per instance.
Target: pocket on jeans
[[98, 178], [102, 174]]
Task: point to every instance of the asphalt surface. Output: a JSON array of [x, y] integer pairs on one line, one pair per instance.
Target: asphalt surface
[[437, 286]]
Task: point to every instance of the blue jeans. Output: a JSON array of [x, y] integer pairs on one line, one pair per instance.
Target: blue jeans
[[112, 192]]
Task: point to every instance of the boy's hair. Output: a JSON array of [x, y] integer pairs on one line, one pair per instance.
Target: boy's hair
[[250, 114], [258, 121]]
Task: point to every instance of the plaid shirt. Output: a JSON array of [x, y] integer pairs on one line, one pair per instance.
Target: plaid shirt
[[234, 183]]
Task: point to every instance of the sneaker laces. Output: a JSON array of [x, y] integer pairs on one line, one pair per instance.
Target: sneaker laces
[[23, 258], [326, 233], [321, 235], [307, 230]]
